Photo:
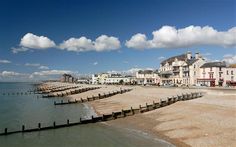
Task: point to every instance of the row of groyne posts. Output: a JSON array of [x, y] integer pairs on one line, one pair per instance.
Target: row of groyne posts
[[113, 115], [70, 92], [19, 93], [93, 98]]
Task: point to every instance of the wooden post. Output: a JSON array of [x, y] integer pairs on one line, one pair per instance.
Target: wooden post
[[80, 119], [140, 108], [23, 128], [92, 118], [131, 109], [5, 131], [61, 101], [113, 115], [68, 122], [103, 117], [54, 124], [123, 112], [99, 95], [39, 126]]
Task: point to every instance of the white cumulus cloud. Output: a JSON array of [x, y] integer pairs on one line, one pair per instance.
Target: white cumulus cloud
[[170, 37], [95, 63], [82, 44], [4, 61], [32, 41], [230, 58], [51, 72]]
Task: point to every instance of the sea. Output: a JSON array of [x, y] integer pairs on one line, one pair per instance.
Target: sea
[[30, 109]]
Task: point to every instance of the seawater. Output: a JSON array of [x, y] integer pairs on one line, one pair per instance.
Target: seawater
[[29, 110]]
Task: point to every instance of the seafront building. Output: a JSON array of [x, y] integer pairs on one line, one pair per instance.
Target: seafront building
[[181, 70], [217, 74], [107, 78], [147, 77]]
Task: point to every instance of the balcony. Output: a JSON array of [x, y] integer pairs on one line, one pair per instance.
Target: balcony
[[185, 69], [176, 70]]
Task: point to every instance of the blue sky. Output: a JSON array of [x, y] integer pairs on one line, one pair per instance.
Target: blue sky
[[60, 20]]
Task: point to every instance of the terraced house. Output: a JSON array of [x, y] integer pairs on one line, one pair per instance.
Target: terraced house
[[182, 69], [217, 74]]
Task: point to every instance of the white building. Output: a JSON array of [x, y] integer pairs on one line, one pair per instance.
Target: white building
[[181, 70], [105, 78], [217, 74], [148, 77]]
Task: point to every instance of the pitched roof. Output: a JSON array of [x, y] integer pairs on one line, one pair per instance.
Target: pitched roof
[[214, 64], [172, 59], [145, 71]]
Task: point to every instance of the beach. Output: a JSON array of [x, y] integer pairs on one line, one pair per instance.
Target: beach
[[206, 121]]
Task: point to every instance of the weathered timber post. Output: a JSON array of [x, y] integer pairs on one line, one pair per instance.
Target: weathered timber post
[[123, 113], [113, 115], [99, 95], [80, 119], [81, 100], [23, 128], [54, 124], [132, 110], [39, 126], [68, 122], [140, 109], [5, 131]]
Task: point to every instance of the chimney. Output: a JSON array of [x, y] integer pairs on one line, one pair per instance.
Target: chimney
[[189, 55], [197, 55]]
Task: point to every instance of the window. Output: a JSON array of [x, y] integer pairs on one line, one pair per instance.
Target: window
[[220, 75], [232, 72], [195, 73], [227, 72], [194, 66], [220, 69], [211, 75]]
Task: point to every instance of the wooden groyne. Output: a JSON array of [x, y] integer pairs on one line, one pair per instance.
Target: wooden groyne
[[18, 93], [93, 98], [69, 92], [57, 89], [108, 117]]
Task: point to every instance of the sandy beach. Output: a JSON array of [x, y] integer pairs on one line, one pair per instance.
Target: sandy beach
[[206, 121]]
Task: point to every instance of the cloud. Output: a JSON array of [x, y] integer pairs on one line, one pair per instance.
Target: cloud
[[82, 44], [161, 58], [32, 64], [95, 63], [5, 61], [43, 67], [19, 49], [32, 41], [170, 37], [51, 72], [229, 58], [207, 54], [11, 74]]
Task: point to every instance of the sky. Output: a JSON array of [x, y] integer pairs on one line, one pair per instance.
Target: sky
[[41, 39]]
